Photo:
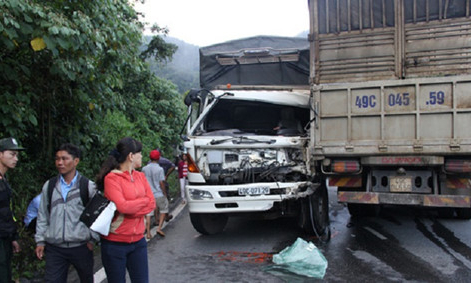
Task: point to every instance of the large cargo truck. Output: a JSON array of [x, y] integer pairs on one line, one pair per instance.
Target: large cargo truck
[[391, 100], [247, 140]]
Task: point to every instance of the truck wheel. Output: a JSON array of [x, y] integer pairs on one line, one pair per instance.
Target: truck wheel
[[208, 223], [315, 213], [463, 213], [363, 210]]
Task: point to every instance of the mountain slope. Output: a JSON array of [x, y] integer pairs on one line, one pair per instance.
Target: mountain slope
[[183, 69]]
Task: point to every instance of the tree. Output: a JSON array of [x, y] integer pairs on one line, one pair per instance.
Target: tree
[[72, 71], [64, 64], [158, 48]]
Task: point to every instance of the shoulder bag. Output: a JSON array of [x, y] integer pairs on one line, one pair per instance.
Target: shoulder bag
[[98, 214]]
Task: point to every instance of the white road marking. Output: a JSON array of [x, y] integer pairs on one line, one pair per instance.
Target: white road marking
[[376, 233], [100, 275]]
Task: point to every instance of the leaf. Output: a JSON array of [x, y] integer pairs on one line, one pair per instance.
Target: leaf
[[10, 32], [26, 28], [38, 44], [53, 30], [28, 18], [33, 119], [25, 70], [51, 45], [63, 43], [71, 75]]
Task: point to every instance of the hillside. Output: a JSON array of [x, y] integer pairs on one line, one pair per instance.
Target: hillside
[[183, 69]]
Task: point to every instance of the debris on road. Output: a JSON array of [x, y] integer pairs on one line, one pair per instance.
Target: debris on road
[[302, 258]]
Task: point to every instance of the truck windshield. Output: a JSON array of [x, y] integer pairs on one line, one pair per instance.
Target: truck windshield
[[235, 117]]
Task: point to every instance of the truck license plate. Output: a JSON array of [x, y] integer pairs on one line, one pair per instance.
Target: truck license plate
[[254, 191], [400, 184]]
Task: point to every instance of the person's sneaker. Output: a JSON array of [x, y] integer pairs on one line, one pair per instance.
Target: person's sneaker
[[168, 217]]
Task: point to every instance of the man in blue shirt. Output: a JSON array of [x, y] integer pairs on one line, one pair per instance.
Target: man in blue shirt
[[32, 213], [59, 232]]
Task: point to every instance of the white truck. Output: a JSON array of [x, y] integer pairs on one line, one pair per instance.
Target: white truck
[[247, 141], [391, 91]]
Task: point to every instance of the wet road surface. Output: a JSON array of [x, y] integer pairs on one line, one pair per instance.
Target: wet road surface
[[400, 245]]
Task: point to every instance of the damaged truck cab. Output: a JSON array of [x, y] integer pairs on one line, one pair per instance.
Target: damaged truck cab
[[247, 144]]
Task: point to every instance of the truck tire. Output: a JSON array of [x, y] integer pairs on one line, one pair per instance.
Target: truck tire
[[314, 218], [363, 210], [208, 223], [463, 213]]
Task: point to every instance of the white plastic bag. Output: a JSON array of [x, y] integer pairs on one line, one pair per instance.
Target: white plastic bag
[[102, 223]]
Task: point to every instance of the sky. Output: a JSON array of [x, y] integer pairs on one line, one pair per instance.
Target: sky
[[207, 22]]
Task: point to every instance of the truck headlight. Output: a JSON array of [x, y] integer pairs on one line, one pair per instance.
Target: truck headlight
[[199, 194]]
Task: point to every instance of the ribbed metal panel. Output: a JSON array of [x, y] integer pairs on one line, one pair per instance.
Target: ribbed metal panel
[[438, 48], [365, 40], [356, 56]]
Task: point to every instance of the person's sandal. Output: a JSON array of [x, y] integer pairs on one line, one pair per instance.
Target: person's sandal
[[162, 234]]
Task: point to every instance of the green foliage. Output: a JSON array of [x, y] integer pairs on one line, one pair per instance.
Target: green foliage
[[183, 69], [72, 71], [158, 48], [25, 263], [184, 80]]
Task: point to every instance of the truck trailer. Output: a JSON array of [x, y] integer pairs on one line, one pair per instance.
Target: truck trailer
[[391, 103]]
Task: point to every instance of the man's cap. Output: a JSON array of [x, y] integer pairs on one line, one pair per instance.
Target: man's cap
[[9, 144], [154, 155]]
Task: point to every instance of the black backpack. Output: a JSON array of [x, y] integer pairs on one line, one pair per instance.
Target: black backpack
[[83, 185]]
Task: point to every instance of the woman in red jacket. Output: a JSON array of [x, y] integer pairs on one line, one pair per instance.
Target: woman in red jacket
[[125, 246]]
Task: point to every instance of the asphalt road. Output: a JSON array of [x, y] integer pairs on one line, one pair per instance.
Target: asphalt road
[[400, 245]]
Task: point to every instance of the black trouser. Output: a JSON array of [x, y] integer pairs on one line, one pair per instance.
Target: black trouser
[[58, 261], [6, 253]]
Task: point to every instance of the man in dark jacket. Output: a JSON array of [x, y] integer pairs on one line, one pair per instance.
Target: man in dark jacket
[[168, 167], [8, 235]]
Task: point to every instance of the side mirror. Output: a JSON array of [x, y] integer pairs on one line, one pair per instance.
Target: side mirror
[[184, 137], [192, 96]]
